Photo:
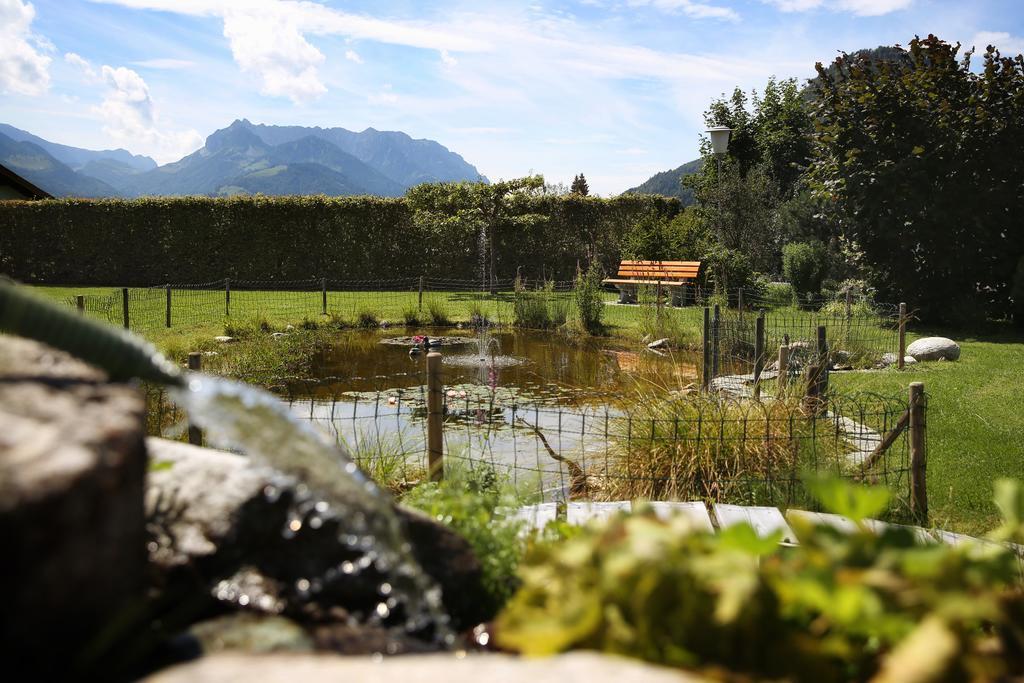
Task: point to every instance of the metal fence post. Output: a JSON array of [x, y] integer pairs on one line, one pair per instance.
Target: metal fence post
[[715, 333], [849, 303], [323, 292], [195, 363], [903, 336], [918, 459], [739, 303], [435, 418], [168, 316], [80, 303], [421, 293], [758, 353], [705, 375], [124, 306], [227, 298]]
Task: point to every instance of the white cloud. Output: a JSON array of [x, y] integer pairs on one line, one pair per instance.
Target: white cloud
[[1008, 45], [447, 59], [129, 114], [863, 8], [268, 37], [24, 69], [691, 8], [353, 56], [77, 60], [165, 63]]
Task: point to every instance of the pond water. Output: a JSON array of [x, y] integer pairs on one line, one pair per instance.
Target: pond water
[[524, 402]]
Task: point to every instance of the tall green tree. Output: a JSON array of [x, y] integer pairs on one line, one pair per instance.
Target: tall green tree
[[579, 186], [919, 159]]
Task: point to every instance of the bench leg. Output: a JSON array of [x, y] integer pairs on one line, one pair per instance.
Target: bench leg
[[679, 296], [627, 294]]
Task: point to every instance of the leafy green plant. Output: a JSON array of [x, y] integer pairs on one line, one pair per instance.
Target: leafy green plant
[[476, 503], [478, 314], [838, 607], [805, 265], [589, 299]]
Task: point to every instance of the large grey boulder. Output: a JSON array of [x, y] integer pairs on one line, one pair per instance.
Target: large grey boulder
[[259, 540], [934, 348], [446, 668], [72, 528]]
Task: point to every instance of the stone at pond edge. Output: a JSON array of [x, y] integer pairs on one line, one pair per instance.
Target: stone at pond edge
[[72, 468], [216, 522], [447, 668], [659, 344], [934, 348], [223, 339]]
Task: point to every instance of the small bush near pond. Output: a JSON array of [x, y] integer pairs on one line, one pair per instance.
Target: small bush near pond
[[589, 298], [475, 503], [367, 318], [837, 607], [411, 317]]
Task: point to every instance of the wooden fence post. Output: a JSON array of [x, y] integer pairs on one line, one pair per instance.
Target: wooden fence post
[[739, 303], [168, 316], [80, 303], [823, 361], [705, 368], [783, 367], [323, 294], [903, 336], [421, 293], [812, 390], [849, 303], [124, 306], [195, 363], [715, 331], [758, 353], [435, 418], [227, 298], [918, 459]]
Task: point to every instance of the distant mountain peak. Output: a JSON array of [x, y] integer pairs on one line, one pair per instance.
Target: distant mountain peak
[[238, 135]]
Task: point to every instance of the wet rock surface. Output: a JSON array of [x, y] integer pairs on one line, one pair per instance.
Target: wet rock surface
[[72, 468], [262, 542]]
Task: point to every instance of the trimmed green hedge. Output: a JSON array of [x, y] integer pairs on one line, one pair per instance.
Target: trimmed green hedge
[[198, 239]]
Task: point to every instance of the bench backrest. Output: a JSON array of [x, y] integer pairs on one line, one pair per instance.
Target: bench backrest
[[659, 270]]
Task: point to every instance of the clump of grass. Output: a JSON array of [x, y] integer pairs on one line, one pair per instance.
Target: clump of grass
[[540, 308], [367, 318], [665, 322], [411, 317], [387, 459], [478, 314], [703, 448], [437, 314], [309, 324]]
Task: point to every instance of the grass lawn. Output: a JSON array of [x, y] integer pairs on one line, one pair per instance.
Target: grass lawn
[[975, 424]]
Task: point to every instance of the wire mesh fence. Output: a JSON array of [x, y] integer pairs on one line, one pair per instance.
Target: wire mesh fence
[[683, 446]]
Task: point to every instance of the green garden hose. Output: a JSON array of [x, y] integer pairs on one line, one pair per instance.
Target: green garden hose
[[122, 355]]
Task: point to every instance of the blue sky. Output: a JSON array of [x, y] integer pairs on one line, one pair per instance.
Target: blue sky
[[611, 88]]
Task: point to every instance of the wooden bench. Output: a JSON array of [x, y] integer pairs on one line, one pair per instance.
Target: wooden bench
[[673, 276]]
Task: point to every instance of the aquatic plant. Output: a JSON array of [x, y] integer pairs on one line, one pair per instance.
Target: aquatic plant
[[838, 607]]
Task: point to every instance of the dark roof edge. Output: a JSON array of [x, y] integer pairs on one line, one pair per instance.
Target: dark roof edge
[[23, 185]]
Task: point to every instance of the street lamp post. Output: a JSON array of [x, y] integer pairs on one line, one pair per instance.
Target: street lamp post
[[719, 145]]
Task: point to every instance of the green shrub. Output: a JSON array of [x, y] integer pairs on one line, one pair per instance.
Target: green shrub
[[589, 299], [475, 503], [779, 295], [838, 607], [478, 314], [805, 265], [727, 270], [437, 313]]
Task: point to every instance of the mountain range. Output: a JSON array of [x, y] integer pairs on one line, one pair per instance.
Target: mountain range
[[242, 159], [670, 183]]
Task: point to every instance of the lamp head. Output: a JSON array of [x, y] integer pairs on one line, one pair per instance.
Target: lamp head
[[719, 139]]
